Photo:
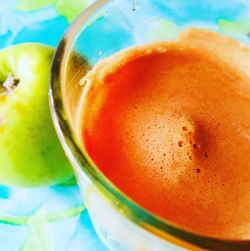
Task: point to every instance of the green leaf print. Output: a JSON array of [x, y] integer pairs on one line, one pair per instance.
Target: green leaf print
[[71, 9], [11, 220], [68, 213], [163, 30], [29, 5], [237, 27], [58, 216], [40, 237], [67, 8]]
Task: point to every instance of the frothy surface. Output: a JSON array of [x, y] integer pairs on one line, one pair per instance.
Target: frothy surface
[[169, 124]]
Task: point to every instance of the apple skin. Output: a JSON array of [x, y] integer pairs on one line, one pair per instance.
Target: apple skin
[[30, 152]]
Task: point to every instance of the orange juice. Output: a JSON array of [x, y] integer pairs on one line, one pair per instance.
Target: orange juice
[[169, 124]]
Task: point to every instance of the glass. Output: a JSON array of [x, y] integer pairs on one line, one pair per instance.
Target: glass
[[103, 29]]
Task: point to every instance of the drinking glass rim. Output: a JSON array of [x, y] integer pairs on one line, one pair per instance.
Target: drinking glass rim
[[137, 214]]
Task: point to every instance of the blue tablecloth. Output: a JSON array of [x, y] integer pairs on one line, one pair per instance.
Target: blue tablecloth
[[52, 218]]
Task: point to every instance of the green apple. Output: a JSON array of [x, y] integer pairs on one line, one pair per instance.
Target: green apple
[[30, 152]]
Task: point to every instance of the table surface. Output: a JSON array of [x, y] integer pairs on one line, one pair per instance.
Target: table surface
[[52, 218]]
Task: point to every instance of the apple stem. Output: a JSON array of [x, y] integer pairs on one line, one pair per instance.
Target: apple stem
[[10, 84]]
